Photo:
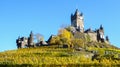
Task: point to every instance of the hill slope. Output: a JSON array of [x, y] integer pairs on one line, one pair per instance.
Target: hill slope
[[52, 56]]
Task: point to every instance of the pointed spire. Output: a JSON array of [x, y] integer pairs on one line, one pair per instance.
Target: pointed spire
[[101, 27], [31, 36], [31, 33], [77, 12], [107, 38]]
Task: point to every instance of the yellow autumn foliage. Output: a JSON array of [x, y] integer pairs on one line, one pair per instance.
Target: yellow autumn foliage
[[65, 36]]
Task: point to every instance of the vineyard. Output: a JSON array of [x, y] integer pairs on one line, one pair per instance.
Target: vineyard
[[51, 56]]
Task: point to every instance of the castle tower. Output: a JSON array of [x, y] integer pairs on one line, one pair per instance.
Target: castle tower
[[101, 32], [77, 21], [30, 39]]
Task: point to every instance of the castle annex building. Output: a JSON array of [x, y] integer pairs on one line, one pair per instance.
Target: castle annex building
[[77, 24]]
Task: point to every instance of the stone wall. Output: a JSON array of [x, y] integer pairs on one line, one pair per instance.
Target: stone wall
[[92, 35]]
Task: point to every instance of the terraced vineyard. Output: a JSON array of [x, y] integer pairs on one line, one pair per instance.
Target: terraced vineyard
[[50, 56]]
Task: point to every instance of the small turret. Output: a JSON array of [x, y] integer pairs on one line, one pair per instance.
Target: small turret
[[101, 27], [77, 12], [101, 30], [107, 38]]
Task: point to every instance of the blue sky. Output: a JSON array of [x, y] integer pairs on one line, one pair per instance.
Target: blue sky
[[19, 17]]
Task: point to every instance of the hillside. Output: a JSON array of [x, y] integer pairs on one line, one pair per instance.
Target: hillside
[[67, 48], [52, 56]]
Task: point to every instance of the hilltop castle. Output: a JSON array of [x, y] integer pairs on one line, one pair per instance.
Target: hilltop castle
[[77, 23], [77, 26]]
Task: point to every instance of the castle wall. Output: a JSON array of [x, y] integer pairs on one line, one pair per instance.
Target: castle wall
[[24, 42], [92, 35]]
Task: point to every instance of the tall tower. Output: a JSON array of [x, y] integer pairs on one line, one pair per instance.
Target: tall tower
[[101, 32], [30, 39], [77, 21]]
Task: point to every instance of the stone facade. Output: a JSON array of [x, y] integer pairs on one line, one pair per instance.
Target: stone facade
[[24, 41], [77, 21], [21, 42], [29, 41], [93, 36]]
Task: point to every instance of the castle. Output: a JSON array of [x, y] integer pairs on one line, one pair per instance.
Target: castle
[[23, 41], [29, 41], [77, 23]]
